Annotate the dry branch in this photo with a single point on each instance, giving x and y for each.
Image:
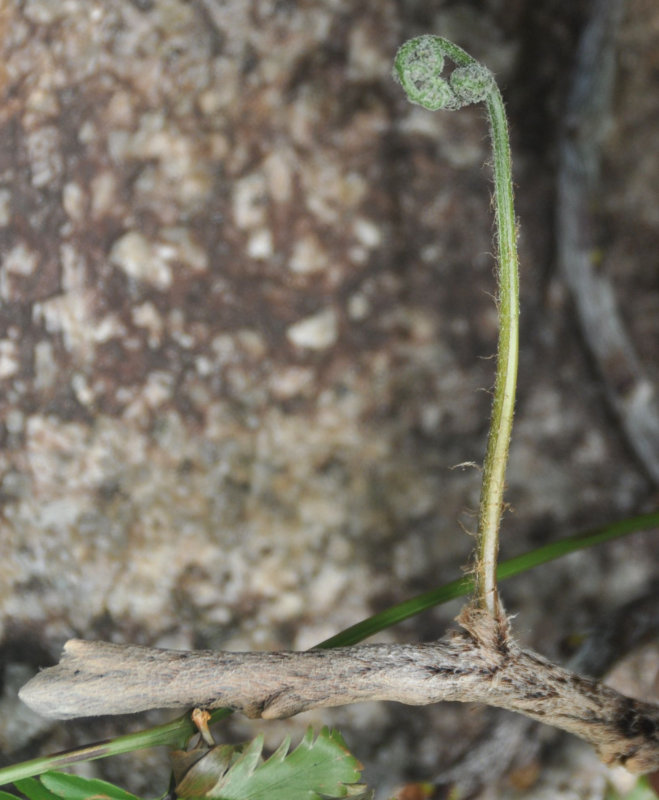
(481, 663)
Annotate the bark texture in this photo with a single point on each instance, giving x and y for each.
(481, 664)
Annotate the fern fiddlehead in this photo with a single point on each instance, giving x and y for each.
(419, 67)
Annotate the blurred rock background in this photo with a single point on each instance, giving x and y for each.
(245, 325)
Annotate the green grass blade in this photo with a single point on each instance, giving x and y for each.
(76, 787)
(171, 734)
(506, 569)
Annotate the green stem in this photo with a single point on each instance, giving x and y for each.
(503, 405)
(418, 67)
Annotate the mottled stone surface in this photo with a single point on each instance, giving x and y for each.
(244, 317)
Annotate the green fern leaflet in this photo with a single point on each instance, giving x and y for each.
(320, 769)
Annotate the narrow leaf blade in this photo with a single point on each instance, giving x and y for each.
(34, 789)
(75, 787)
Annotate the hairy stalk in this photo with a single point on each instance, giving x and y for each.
(418, 67)
(503, 406)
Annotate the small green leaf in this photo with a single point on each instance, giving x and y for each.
(75, 787)
(7, 796)
(34, 789)
(220, 759)
(320, 769)
(196, 774)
